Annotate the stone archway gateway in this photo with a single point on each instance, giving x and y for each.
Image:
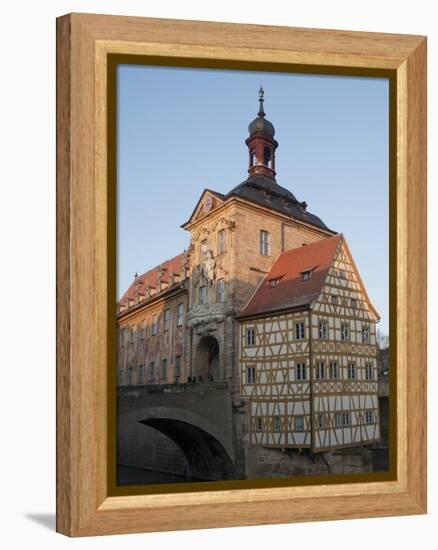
(207, 358)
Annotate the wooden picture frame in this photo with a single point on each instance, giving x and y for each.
(86, 224)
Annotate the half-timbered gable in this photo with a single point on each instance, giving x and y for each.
(308, 352)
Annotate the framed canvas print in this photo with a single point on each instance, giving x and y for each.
(241, 274)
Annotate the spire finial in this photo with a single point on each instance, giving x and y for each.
(261, 100)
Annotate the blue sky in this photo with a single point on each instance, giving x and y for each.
(182, 130)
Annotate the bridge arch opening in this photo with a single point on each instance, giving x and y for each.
(206, 457)
(207, 359)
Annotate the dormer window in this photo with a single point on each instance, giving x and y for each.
(305, 275)
(274, 282)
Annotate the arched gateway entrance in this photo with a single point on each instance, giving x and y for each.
(207, 358)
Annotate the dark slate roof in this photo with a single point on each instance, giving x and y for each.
(265, 191)
(261, 124)
(291, 291)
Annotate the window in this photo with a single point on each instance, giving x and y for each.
(365, 334)
(129, 378)
(132, 334)
(368, 417)
(264, 243)
(300, 371)
(299, 423)
(259, 423)
(221, 242)
(276, 424)
(338, 420)
(267, 157)
(202, 295)
(334, 300)
(140, 374)
(320, 370)
(252, 157)
(142, 330)
(369, 371)
(221, 291)
(321, 421)
(346, 418)
(345, 331)
(274, 282)
(250, 337)
(299, 331)
(305, 275)
(164, 369)
(151, 376)
(166, 319)
(351, 371)
(333, 370)
(154, 324)
(177, 366)
(353, 303)
(180, 315)
(323, 329)
(250, 375)
(342, 274)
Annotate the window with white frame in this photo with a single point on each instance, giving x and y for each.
(300, 373)
(351, 371)
(323, 330)
(334, 300)
(259, 423)
(365, 334)
(299, 331)
(250, 337)
(320, 370)
(345, 331)
(346, 418)
(164, 369)
(250, 375)
(353, 303)
(276, 424)
(321, 421)
(154, 330)
(338, 420)
(333, 370)
(264, 243)
(369, 371)
(274, 282)
(180, 315)
(166, 319)
(369, 417)
(299, 423)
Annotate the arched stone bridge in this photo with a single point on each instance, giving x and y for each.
(196, 417)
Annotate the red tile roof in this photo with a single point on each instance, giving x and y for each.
(292, 291)
(150, 278)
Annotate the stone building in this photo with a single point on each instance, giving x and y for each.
(190, 318)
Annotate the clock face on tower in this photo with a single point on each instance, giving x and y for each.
(208, 204)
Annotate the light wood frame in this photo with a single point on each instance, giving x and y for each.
(83, 504)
